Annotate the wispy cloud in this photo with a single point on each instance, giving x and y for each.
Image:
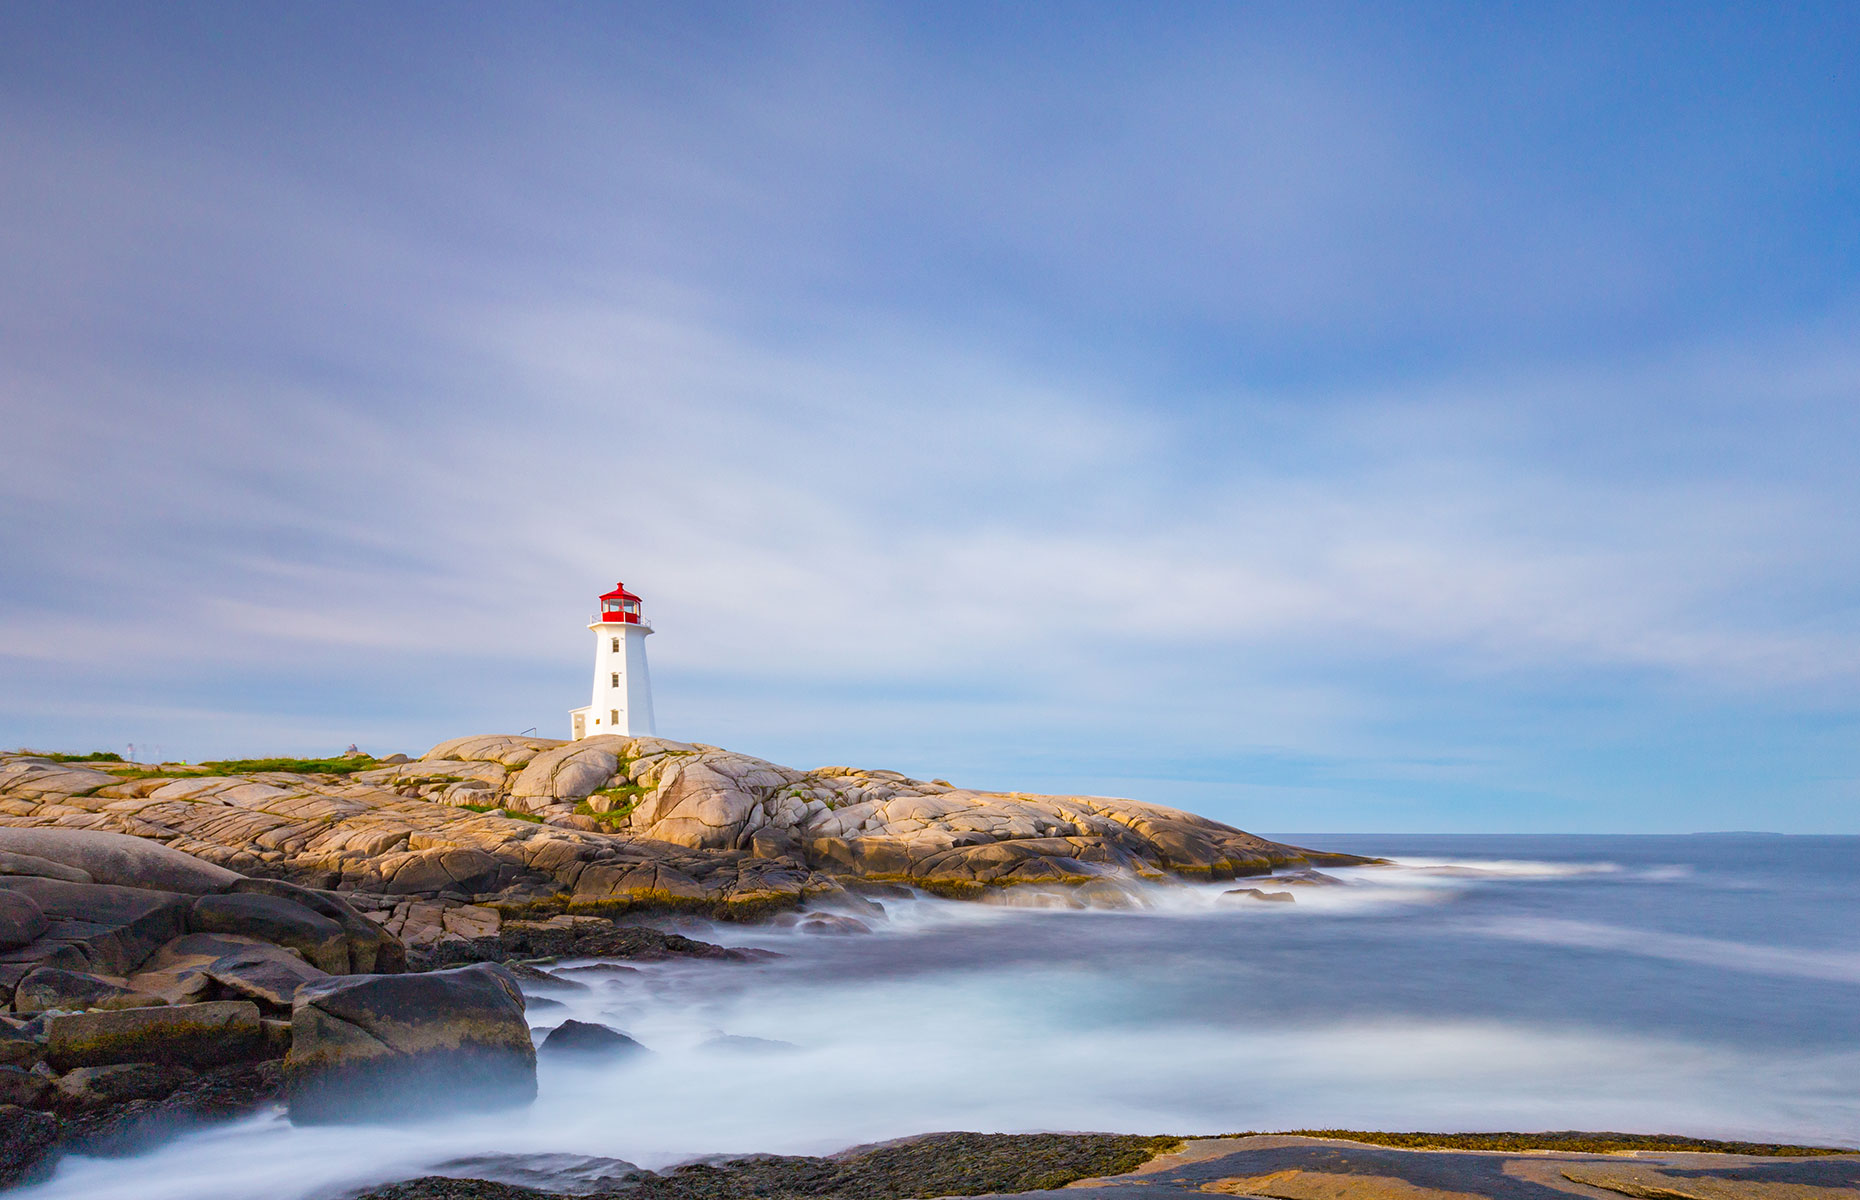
(1254, 397)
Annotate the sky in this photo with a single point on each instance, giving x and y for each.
(1326, 417)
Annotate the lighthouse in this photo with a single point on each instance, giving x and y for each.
(622, 689)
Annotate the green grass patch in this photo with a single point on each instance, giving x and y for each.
(294, 766)
(103, 756)
(1565, 1139)
(244, 766)
(624, 798)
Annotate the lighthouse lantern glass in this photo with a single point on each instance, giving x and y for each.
(620, 606)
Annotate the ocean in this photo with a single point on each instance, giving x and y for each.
(1700, 985)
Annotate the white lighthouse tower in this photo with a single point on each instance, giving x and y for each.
(622, 689)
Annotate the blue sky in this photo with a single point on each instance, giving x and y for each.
(1326, 417)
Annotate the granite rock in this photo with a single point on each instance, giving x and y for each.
(278, 920)
(101, 928)
(268, 974)
(192, 1035)
(377, 1046)
(56, 988)
(585, 1039)
(27, 1142)
(97, 1087)
(118, 858)
(21, 920)
(21, 1086)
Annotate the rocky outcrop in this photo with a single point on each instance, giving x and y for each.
(169, 980)
(430, 848)
(368, 1046)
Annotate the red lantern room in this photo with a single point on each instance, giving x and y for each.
(620, 606)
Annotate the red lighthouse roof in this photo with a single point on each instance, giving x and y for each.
(620, 605)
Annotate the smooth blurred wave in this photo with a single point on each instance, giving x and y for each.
(1678, 985)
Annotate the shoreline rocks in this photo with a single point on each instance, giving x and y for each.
(169, 936)
(122, 994)
(1309, 1165)
(936, 1164)
(519, 825)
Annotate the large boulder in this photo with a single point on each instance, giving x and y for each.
(268, 974)
(56, 988)
(119, 858)
(585, 1039)
(21, 920)
(373, 1046)
(570, 772)
(510, 750)
(461, 870)
(97, 927)
(191, 1035)
(177, 972)
(372, 949)
(698, 804)
(274, 919)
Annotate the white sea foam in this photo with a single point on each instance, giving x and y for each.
(1365, 890)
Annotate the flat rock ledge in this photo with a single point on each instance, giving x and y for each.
(1096, 1166)
(481, 829)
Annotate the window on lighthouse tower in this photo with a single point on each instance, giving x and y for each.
(616, 680)
(616, 645)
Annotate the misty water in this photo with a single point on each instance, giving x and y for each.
(1696, 985)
